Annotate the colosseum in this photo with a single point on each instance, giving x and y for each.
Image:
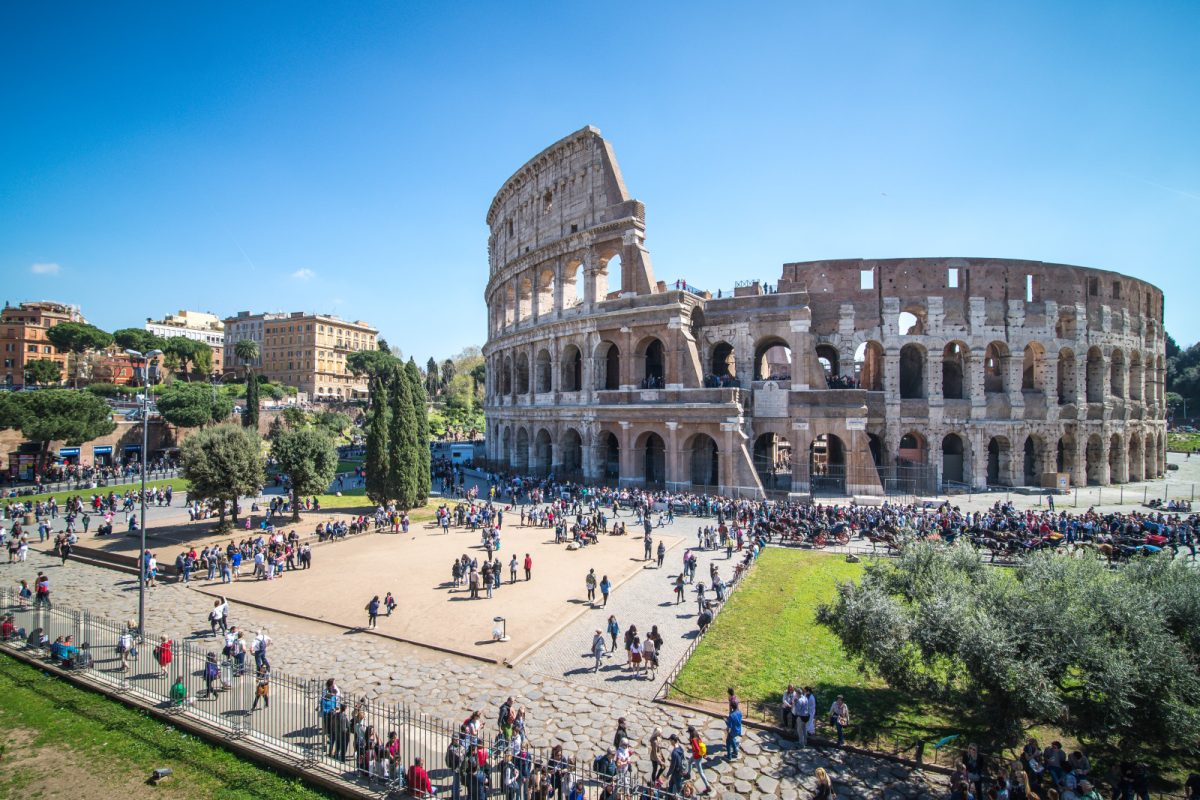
(849, 377)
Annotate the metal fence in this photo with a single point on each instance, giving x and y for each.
(287, 720)
(86, 484)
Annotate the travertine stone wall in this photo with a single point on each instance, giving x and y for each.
(930, 370)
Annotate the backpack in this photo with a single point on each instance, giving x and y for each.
(210, 670)
(328, 704)
(702, 748)
(454, 755)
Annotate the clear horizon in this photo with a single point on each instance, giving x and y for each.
(282, 157)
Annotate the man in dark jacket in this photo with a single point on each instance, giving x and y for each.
(677, 769)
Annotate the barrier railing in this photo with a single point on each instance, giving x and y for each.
(82, 485)
(285, 715)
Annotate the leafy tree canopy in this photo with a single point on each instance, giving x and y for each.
(372, 363)
(43, 372)
(57, 415)
(189, 354)
(78, 337)
(222, 463)
(138, 339)
(1106, 655)
(193, 405)
(309, 458)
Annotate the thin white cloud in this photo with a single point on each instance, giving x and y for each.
(45, 268)
(304, 274)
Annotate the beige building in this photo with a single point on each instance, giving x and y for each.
(309, 351)
(23, 337)
(197, 325)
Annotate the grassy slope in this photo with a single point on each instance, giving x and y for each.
(179, 483)
(1183, 442)
(127, 744)
(767, 637)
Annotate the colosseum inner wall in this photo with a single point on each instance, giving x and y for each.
(846, 377)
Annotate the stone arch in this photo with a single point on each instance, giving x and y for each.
(649, 358)
(520, 456)
(1160, 377)
(914, 449)
(543, 373)
(1033, 368)
(608, 365)
(1097, 469)
(772, 360)
(954, 371)
(1068, 377)
(542, 458)
(1095, 375)
(1150, 457)
(610, 278)
(1116, 459)
(1117, 375)
(953, 459)
(610, 455)
(827, 357)
(571, 369)
(912, 372)
(1136, 376)
(875, 446)
(868, 366)
(911, 321)
(994, 357)
(509, 301)
(573, 290)
(521, 377)
(999, 463)
(545, 288)
(506, 445)
(1064, 460)
(703, 459)
(827, 465)
(1137, 460)
(1160, 455)
(524, 297)
(773, 461)
(506, 376)
(571, 453)
(1033, 452)
(723, 361)
(652, 452)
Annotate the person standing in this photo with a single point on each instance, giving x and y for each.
(733, 731)
(528, 567)
(262, 689)
(614, 630)
(662, 554)
(372, 611)
(839, 716)
(597, 650)
(605, 588)
(590, 581)
(647, 546)
(811, 709)
(800, 713)
(512, 569)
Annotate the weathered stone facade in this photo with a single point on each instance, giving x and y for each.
(848, 376)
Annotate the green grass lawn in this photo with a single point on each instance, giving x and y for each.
(1183, 442)
(180, 485)
(355, 501)
(56, 730)
(767, 637)
(348, 465)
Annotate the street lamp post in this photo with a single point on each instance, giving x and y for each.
(144, 358)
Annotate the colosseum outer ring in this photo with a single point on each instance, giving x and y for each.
(846, 377)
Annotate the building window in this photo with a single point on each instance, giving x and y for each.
(952, 278)
(866, 279)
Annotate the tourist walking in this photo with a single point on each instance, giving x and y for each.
(733, 731)
(590, 582)
(613, 631)
(372, 611)
(605, 588)
(597, 650)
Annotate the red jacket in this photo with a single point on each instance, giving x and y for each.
(418, 781)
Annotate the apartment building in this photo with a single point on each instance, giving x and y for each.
(309, 351)
(23, 336)
(245, 325)
(197, 325)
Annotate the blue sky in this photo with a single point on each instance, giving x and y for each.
(341, 157)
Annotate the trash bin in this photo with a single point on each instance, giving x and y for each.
(29, 520)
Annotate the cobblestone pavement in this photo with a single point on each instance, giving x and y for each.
(560, 709)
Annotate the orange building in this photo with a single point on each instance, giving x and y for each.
(23, 337)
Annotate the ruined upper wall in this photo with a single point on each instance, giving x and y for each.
(571, 186)
(955, 280)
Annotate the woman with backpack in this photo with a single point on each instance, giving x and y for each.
(698, 750)
(211, 672)
(262, 688)
(125, 645)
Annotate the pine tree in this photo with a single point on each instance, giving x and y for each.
(420, 406)
(432, 381)
(378, 461)
(250, 410)
(402, 440)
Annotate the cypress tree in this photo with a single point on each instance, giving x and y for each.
(250, 410)
(378, 461)
(421, 412)
(402, 440)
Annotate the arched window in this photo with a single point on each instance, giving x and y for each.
(827, 465)
(520, 459)
(724, 362)
(522, 376)
(993, 368)
(1031, 368)
(912, 372)
(703, 458)
(572, 453)
(954, 368)
(868, 366)
(650, 353)
(952, 458)
(572, 369)
(506, 377)
(1117, 373)
(654, 458)
(913, 449)
(999, 461)
(1068, 389)
(611, 279)
(773, 360)
(827, 357)
(773, 461)
(542, 381)
(608, 358)
(610, 452)
(1095, 376)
